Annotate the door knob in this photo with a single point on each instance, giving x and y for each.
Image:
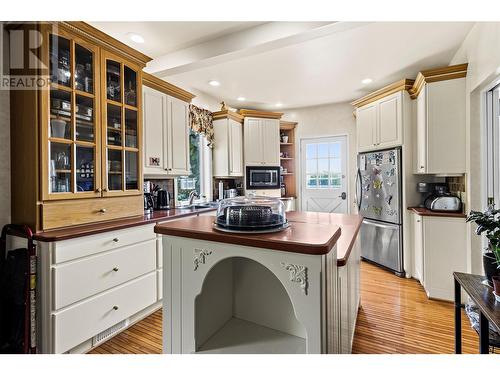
(115, 307)
(102, 210)
(115, 269)
(343, 195)
(115, 240)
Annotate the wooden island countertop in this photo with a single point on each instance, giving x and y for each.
(309, 233)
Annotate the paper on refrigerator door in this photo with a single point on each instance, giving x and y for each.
(362, 162)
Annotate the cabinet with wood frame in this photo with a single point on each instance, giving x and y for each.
(287, 157)
(71, 154)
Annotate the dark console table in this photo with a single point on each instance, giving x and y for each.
(489, 309)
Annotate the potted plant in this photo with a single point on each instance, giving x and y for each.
(488, 222)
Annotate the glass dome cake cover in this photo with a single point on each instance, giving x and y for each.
(251, 213)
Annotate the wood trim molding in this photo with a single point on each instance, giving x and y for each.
(228, 114)
(260, 114)
(288, 125)
(104, 40)
(401, 85)
(165, 87)
(436, 75)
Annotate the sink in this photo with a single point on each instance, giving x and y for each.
(199, 206)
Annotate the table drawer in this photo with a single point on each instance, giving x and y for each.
(74, 281)
(83, 246)
(58, 214)
(80, 322)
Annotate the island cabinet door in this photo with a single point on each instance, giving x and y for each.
(268, 301)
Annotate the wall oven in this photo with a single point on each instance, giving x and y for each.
(262, 177)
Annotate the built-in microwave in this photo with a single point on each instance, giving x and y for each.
(263, 177)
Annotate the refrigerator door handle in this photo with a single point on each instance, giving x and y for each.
(358, 183)
(381, 225)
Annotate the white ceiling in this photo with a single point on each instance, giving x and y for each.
(297, 64)
(164, 37)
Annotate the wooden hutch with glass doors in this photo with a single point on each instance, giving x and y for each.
(77, 144)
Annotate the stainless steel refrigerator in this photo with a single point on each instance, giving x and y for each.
(378, 195)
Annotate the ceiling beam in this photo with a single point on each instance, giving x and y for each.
(258, 39)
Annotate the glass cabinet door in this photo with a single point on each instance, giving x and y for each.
(72, 145)
(121, 144)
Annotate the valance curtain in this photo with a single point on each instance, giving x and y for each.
(201, 121)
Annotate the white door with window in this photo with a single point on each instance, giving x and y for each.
(324, 171)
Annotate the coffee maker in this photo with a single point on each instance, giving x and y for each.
(148, 198)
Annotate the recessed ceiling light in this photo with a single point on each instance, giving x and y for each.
(367, 81)
(214, 83)
(279, 105)
(136, 38)
(240, 99)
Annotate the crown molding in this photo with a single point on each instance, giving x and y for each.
(436, 75)
(165, 87)
(288, 125)
(401, 85)
(228, 114)
(260, 114)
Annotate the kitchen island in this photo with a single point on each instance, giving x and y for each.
(284, 292)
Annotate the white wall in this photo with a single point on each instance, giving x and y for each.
(327, 120)
(480, 50)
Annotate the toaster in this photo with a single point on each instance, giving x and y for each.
(443, 203)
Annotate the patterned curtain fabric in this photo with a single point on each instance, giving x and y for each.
(201, 122)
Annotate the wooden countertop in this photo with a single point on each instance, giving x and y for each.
(309, 233)
(106, 226)
(426, 212)
(349, 226)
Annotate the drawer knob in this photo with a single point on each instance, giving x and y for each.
(105, 189)
(115, 307)
(115, 269)
(115, 240)
(102, 210)
(98, 190)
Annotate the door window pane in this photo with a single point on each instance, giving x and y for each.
(322, 150)
(60, 167)
(312, 166)
(130, 86)
(130, 128)
(114, 125)
(113, 80)
(311, 151)
(84, 69)
(131, 168)
(60, 60)
(323, 165)
(335, 150)
(114, 169)
(84, 119)
(312, 181)
(85, 157)
(60, 114)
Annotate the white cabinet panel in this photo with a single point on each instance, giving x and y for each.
(271, 142)
(82, 321)
(178, 135)
(227, 153)
(418, 248)
(253, 141)
(74, 281)
(421, 158)
(390, 121)
(262, 141)
(366, 123)
(154, 110)
(235, 148)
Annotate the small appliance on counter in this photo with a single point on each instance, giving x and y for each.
(162, 200)
(148, 198)
(251, 215)
(230, 193)
(437, 197)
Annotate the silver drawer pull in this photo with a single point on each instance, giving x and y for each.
(115, 269)
(115, 240)
(115, 307)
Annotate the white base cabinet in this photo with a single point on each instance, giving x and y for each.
(225, 298)
(439, 250)
(93, 287)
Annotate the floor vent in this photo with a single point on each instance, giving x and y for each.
(100, 337)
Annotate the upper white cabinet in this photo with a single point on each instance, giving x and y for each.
(262, 141)
(379, 124)
(166, 132)
(228, 145)
(441, 127)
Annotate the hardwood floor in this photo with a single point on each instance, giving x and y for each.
(395, 317)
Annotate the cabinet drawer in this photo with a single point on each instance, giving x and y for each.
(72, 249)
(80, 279)
(58, 214)
(83, 321)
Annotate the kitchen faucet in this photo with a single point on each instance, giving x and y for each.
(193, 194)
